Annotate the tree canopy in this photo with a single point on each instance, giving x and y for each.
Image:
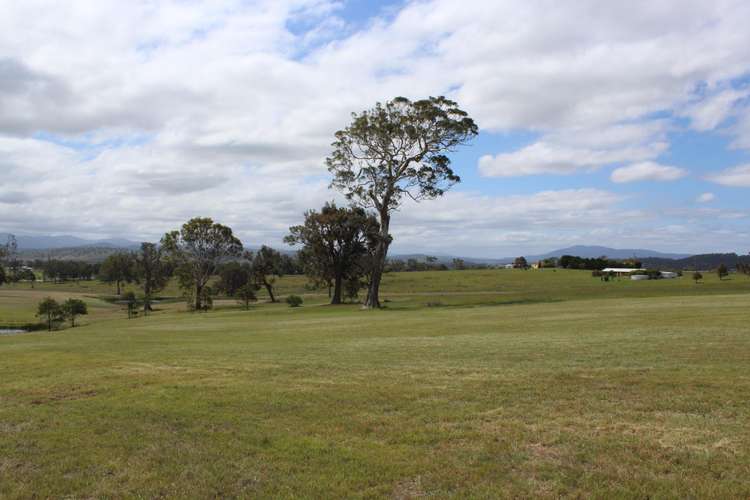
(196, 250)
(118, 268)
(73, 308)
(267, 264)
(153, 272)
(334, 241)
(49, 309)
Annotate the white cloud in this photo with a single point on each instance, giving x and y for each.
(735, 177)
(708, 113)
(567, 151)
(706, 198)
(647, 171)
(220, 108)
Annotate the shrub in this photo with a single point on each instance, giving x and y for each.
(294, 300)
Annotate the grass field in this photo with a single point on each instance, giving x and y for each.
(523, 384)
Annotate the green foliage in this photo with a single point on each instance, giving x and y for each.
(246, 294)
(414, 264)
(153, 272)
(131, 303)
(722, 271)
(206, 299)
(352, 286)
(520, 263)
(119, 268)
(267, 265)
(72, 308)
(233, 276)
(335, 242)
(459, 264)
(294, 300)
(65, 270)
(196, 250)
(49, 310)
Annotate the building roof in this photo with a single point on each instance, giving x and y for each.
(620, 270)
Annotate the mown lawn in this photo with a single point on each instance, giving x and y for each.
(627, 397)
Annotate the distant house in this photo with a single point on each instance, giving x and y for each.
(620, 271)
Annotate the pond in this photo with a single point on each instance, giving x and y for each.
(11, 331)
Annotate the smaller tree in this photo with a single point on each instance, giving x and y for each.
(266, 267)
(246, 294)
(697, 276)
(232, 277)
(72, 308)
(333, 242)
(352, 286)
(50, 311)
(197, 249)
(459, 264)
(153, 272)
(118, 268)
(206, 298)
(131, 302)
(520, 263)
(3, 277)
(722, 271)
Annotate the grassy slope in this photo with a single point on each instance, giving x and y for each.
(415, 290)
(629, 396)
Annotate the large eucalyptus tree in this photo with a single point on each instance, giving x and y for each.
(397, 150)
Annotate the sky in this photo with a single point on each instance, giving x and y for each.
(624, 124)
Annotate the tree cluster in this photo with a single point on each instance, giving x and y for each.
(597, 263)
(54, 313)
(337, 247)
(65, 270)
(412, 264)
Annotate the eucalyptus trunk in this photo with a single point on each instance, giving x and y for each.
(381, 253)
(338, 281)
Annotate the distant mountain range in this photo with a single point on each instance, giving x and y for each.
(580, 251)
(65, 241)
(589, 252)
(73, 247)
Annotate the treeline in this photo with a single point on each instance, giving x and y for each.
(64, 270)
(94, 254)
(703, 262)
(594, 264)
(430, 263)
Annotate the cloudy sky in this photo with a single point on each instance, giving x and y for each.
(624, 124)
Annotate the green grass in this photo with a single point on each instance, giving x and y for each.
(566, 386)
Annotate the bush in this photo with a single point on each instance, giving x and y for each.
(294, 301)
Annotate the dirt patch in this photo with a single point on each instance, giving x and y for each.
(544, 452)
(409, 488)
